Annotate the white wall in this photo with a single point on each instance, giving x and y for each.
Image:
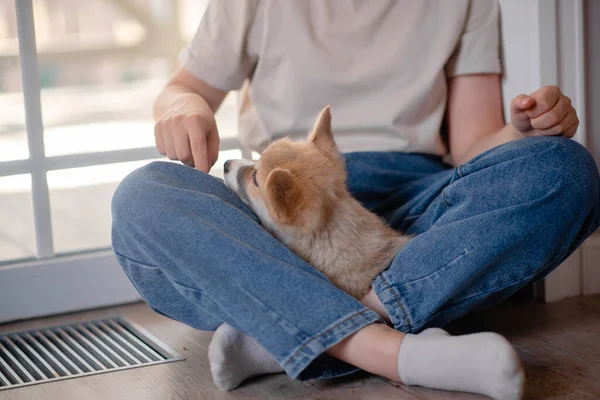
(520, 55)
(592, 39)
(591, 248)
(543, 44)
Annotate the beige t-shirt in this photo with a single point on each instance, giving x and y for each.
(382, 65)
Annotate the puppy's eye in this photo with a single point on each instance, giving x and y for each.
(254, 178)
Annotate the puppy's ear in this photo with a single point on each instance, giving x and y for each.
(284, 195)
(321, 135)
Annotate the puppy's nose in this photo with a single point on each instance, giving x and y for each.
(227, 166)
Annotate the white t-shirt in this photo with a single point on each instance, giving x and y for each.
(382, 65)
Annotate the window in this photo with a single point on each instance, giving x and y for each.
(87, 73)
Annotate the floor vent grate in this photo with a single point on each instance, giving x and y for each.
(68, 351)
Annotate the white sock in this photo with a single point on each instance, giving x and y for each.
(234, 357)
(483, 363)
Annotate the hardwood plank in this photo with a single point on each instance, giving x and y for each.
(558, 343)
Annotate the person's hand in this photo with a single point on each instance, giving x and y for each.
(188, 132)
(546, 112)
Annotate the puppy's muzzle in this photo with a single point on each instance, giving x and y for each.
(234, 174)
(227, 166)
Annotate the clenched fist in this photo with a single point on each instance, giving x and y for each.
(546, 112)
(187, 132)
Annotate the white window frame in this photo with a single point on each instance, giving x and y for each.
(52, 283)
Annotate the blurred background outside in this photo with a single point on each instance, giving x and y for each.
(102, 63)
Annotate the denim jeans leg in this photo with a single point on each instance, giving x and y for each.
(198, 254)
(507, 217)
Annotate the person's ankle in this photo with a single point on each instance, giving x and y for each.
(375, 347)
(372, 301)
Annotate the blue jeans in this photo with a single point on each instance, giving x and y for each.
(483, 230)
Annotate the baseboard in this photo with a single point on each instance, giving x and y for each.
(564, 281)
(578, 275)
(63, 284)
(591, 265)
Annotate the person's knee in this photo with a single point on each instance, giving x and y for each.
(139, 198)
(569, 175)
(133, 192)
(568, 166)
(153, 185)
(130, 207)
(149, 199)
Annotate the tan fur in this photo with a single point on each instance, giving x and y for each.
(303, 200)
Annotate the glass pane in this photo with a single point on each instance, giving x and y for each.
(103, 66)
(100, 72)
(13, 142)
(80, 205)
(17, 237)
(123, 134)
(80, 202)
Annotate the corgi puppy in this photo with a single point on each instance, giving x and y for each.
(298, 191)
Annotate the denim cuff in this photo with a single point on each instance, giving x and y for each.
(393, 304)
(316, 345)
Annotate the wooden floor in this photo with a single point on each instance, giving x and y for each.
(559, 345)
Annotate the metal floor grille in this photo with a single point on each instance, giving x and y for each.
(68, 351)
